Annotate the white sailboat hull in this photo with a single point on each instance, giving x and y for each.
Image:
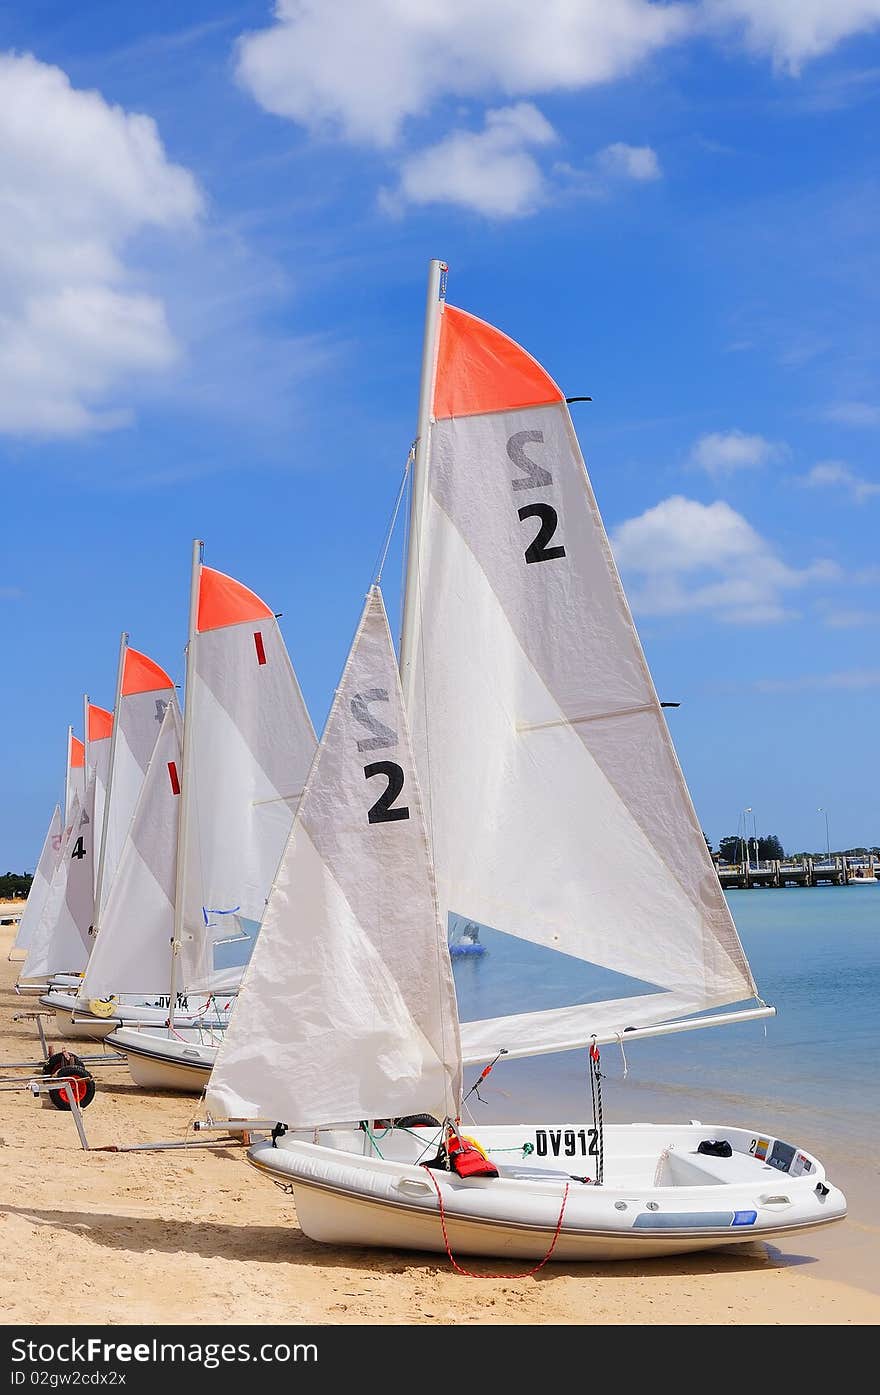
(159, 1061)
(659, 1195)
(35, 988)
(78, 1024)
(84, 1027)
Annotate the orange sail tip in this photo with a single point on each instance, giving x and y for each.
(142, 675)
(100, 723)
(223, 601)
(77, 753)
(479, 369)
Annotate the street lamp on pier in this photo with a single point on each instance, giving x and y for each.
(827, 836)
(745, 838)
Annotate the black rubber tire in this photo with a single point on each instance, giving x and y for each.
(69, 1065)
(410, 1121)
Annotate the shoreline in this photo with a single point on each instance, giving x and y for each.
(186, 1238)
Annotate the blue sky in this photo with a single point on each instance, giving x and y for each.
(216, 225)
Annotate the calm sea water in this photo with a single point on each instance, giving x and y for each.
(815, 956)
(810, 1075)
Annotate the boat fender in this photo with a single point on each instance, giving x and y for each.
(102, 1007)
(715, 1147)
(65, 1063)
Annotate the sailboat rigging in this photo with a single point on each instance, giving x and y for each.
(204, 846)
(529, 719)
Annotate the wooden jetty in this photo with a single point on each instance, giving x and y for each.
(836, 870)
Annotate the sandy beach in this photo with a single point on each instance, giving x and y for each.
(198, 1237)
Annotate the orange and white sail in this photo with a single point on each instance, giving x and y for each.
(131, 951)
(75, 782)
(99, 734)
(248, 744)
(557, 806)
(144, 692)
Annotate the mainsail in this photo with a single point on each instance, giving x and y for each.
(75, 783)
(132, 952)
(144, 692)
(50, 855)
(248, 745)
(557, 807)
(99, 734)
(61, 940)
(347, 1009)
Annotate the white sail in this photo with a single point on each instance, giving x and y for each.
(76, 773)
(250, 745)
(557, 806)
(144, 693)
(132, 949)
(347, 1009)
(50, 855)
(61, 940)
(99, 733)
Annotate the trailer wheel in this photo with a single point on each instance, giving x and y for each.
(65, 1063)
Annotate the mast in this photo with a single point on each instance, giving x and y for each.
(185, 782)
(99, 883)
(85, 742)
(67, 779)
(419, 486)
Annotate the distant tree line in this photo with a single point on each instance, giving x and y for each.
(15, 885)
(733, 848)
(770, 849)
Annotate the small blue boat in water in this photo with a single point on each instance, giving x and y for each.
(467, 943)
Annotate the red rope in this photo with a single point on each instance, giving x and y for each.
(527, 1273)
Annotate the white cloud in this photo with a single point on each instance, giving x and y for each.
(490, 171)
(630, 161)
(849, 619)
(684, 556)
(854, 413)
(853, 680)
(78, 179)
(833, 474)
(361, 68)
(720, 453)
(791, 32)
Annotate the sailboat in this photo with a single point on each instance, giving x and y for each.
(60, 947)
(39, 890)
(48, 866)
(204, 846)
(143, 692)
(554, 810)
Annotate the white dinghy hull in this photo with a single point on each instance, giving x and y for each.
(158, 1061)
(659, 1197)
(77, 1024)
